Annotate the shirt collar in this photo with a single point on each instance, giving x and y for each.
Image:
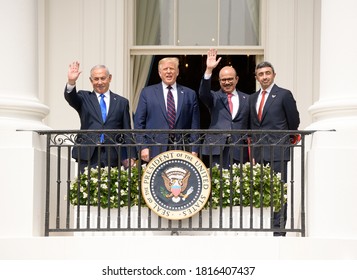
(165, 86)
(234, 93)
(106, 94)
(268, 90)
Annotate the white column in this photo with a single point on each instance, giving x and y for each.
(22, 156)
(332, 159)
(19, 104)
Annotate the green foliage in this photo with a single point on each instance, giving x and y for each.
(244, 185)
(107, 187)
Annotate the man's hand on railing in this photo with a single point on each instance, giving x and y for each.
(195, 154)
(294, 139)
(129, 162)
(145, 155)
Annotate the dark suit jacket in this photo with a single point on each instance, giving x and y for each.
(151, 113)
(88, 108)
(279, 113)
(221, 117)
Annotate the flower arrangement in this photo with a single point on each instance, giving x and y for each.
(246, 185)
(243, 184)
(104, 188)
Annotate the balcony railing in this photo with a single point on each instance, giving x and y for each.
(245, 191)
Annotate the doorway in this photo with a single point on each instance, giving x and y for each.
(192, 68)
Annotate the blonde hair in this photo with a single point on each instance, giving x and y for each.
(174, 60)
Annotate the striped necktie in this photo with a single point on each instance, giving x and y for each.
(261, 106)
(171, 112)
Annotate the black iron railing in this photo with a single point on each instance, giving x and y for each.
(253, 176)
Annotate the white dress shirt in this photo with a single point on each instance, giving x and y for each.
(260, 97)
(235, 102)
(174, 93)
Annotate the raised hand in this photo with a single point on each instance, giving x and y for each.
(211, 61)
(73, 72)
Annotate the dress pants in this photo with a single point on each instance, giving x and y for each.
(99, 158)
(280, 217)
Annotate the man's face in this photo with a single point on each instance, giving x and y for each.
(265, 76)
(228, 79)
(168, 72)
(100, 80)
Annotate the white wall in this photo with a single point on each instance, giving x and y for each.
(288, 39)
(91, 32)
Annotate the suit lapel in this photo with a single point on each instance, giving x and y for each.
(253, 102)
(159, 95)
(224, 100)
(113, 103)
(270, 100)
(242, 102)
(180, 98)
(94, 101)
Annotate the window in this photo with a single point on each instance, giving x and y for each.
(197, 23)
(187, 29)
(192, 68)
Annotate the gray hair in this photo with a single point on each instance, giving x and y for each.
(100, 66)
(264, 64)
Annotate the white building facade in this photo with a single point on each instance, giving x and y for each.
(310, 43)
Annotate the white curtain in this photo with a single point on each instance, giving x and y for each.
(253, 8)
(147, 33)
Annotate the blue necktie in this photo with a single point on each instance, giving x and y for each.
(103, 108)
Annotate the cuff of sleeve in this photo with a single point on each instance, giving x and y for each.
(70, 87)
(207, 76)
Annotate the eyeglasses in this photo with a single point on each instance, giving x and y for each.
(226, 80)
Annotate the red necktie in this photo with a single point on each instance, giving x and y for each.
(171, 112)
(261, 105)
(229, 95)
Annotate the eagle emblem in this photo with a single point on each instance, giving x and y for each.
(176, 182)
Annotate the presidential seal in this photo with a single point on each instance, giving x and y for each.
(176, 185)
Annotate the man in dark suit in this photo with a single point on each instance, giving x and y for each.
(273, 108)
(153, 112)
(115, 115)
(222, 115)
